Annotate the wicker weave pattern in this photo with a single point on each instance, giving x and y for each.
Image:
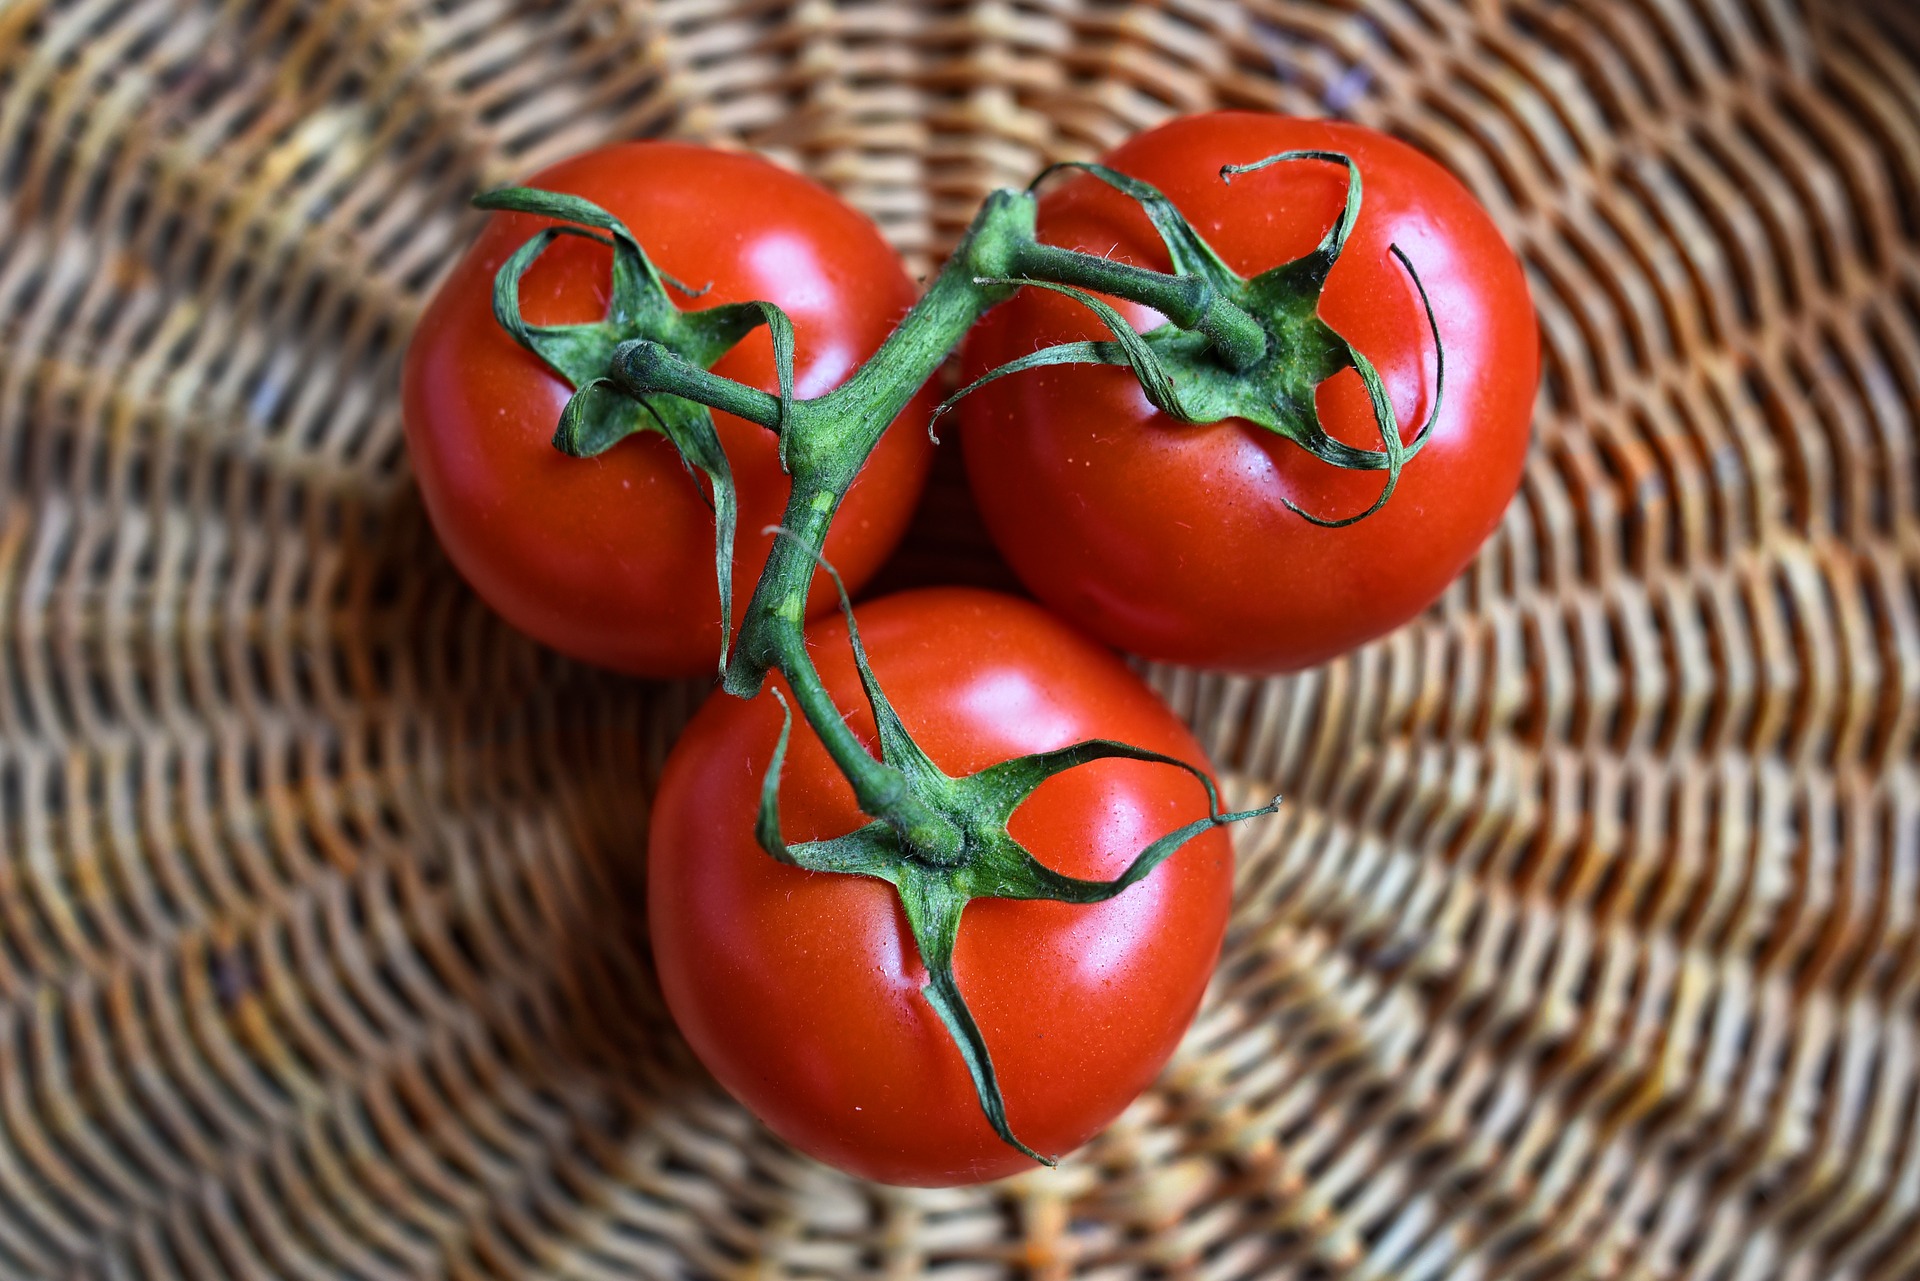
(1587, 945)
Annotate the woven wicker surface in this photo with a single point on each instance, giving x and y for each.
(1588, 943)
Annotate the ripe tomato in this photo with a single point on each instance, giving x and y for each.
(611, 559)
(800, 990)
(1172, 540)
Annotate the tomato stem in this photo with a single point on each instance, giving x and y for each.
(826, 440)
(881, 790)
(643, 366)
(1190, 302)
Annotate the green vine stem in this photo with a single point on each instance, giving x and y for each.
(1249, 348)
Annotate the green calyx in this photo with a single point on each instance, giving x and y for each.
(960, 850)
(1201, 367)
(600, 414)
(1252, 349)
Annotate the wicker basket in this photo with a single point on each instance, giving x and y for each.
(1588, 944)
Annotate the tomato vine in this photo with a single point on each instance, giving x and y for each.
(1232, 347)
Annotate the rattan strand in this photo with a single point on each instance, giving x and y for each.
(1585, 946)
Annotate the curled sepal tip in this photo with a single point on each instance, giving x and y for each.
(1317, 264)
(1394, 453)
(1187, 249)
(597, 417)
(637, 285)
(1011, 871)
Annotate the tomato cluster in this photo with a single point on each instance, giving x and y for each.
(1212, 544)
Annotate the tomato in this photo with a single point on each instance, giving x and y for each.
(1174, 540)
(612, 559)
(800, 990)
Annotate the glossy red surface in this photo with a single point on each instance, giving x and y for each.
(800, 990)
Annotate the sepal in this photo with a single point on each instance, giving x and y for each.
(599, 415)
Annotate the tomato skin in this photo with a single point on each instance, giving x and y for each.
(1171, 540)
(800, 990)
(611, 559)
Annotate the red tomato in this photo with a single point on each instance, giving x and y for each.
(611, 559)
(801, 990)
(1172, 540)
